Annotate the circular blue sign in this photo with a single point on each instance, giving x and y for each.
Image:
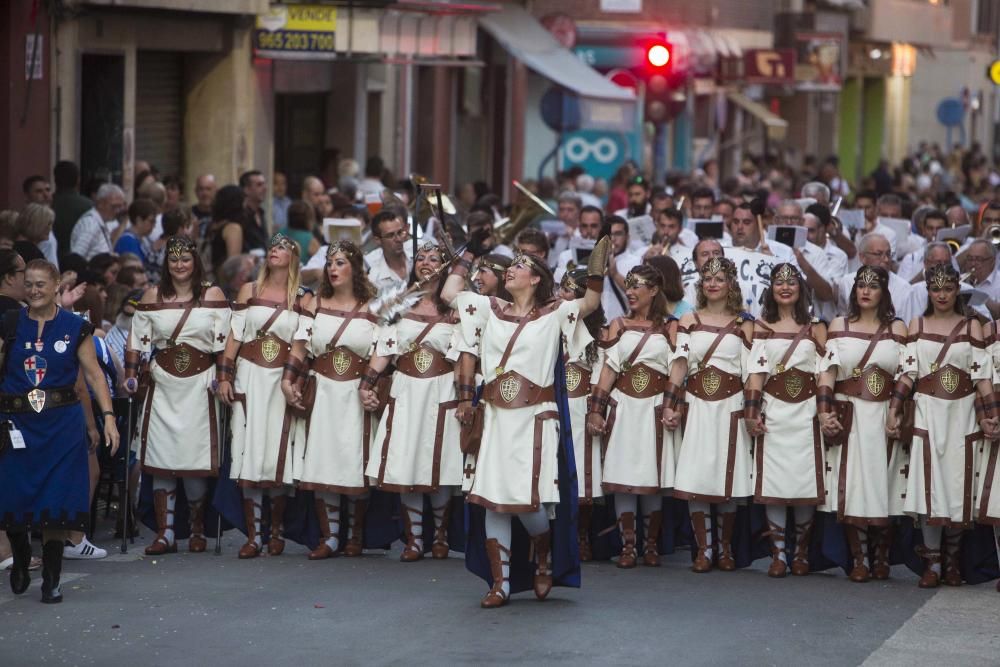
(950, 112)
(560, 110)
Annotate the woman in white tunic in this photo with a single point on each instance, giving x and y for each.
(713, 466)
(332, 444)
(186, 322)
(989, 463)
(946, 364)
(781, 415)
(416, 449)
(632, 383)
(864, 351)
(517, 468)
(583, 366)
(265, 319)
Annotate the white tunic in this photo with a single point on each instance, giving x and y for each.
(586, 447)
(517, 465)
(946, 435)
(859, 479)
(331, 450)
(416, 447)
(714, 461)
(789, 457)
(262, 422)
(988, 493)
(179, 429)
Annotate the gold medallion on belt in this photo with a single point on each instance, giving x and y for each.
(182, 359)
(341, 362)
(949, 380)
(793, 384)
(640, 379)
(422, 359)
(710, 381)
(269, 348)
(509, 388)
(573, 377)
(876, 383)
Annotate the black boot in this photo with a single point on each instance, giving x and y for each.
(51, 569)
(20, 545)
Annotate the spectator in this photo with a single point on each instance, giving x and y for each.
(173, 188)
(372, 184)
(637, 192)
(142, 180)
(67, 203)
(37, 190)
(127, 259)
(104, 267)
(91, 307)
(178, 223)
(532, 242)
(8, 229)
(324, 207)
(585, 188)
(254, 222)
(225, 235)
(234, 273)
(280, 201)
(312, 190)
(673, 287)
(142, 213)
(126, 301)
(569, 206)
(93, 231)
(133, 277)
(204, 193)
(33, 226)
(301, 224)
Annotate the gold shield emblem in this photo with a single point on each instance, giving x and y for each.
(182, 360)
(640, 379)
(36, 399)
(573, 377)
(269, 348)
(876, 383)
(340, 362)
(949, 380)
(509, 388)
(710, 382)
(794, 384)
(422, 359)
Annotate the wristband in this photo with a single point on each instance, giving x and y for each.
(293, 369)
(824, 399)
(597, 403)
(595, 283)
(370, 379)
(225, 369)
(131, 363)
(108, 413)
(752, 402)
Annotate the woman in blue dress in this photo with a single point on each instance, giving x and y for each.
(43, 467)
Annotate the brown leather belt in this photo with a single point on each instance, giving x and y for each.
(711, 384)
(641, 381)
(340, 364)
(513, 390)
(577, 381)
(184, 361)
(268, 351)
(947, 383)
(874, 384)
(792, 386)
(54, 397)
(423, 362)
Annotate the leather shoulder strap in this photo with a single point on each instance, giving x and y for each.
(730, 328)
(427, 329)
(641, 344)
(181, 322)
(271, 320)
(343, 326)
(872, 344)
(948, 341)
(806, 328)
(513, 339)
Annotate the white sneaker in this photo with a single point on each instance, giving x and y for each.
(83, 551)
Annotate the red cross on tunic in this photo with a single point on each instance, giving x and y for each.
(309, 331)
(221, 338)
(471, 310)
(390, 343)
(761, 361)
(39, 375)
(479, 332)
(29, 363)
(145, 340)
(685, 347)
(469, 471)
(571, 318)
(910, 359)
(975, 366)
(905, 471)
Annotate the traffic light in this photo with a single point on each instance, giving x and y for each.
(660, 82)
(658, 55)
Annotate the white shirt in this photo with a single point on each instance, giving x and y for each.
(836, 261)
(91, 235)
(371, 186)
(590, 199)
(379, 273)
(50, 248)
(911, 265)
(991, 284)
(903, 299)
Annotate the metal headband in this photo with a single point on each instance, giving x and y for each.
(179, 245)
(940, 276)
(867, 277)
(492, 266)
(633, 279)
(279, 240)
(527, 260)
(341, 247)
(717, 264)
(787, 272)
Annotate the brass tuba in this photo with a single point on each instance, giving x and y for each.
(521, 216)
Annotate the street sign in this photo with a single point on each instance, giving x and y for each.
(598, 152)
(769, 66)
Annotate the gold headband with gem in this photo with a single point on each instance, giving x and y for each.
(492, 266)
(867, 277)
(719, 264)
(633, 280)
(529, 261)
(180, 245)
(347, 249)
(785, 273)
(941, 276)
(279, 240)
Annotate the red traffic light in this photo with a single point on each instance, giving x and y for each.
(658, 55)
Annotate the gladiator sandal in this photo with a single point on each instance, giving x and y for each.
(52, 555)
(951, 567)
(880, 565)
(197, 542)
(778, 568)
(931, 557)
(628, 556)
(442, 515)
(542, 581)
(583, 533)
(20, 546)
(323, 512)
(499, 556)
(164, 522)
(651, 553)
(859, 572)
(727, 563)
(251, 514)
(413, 551)
(356, 529)
(800, 561)
(703, 559)
(276, 545)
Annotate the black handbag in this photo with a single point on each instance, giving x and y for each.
(8, 331)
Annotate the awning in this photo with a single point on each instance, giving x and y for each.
(776, 126)
(603, 105)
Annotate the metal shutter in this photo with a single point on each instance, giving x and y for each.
(159, 110)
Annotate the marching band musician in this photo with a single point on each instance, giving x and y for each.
(186, 322)
(417, 451)
(946, 365)
(332, 446)
(639, 457)
(264, 321)
(781, 415)
(864, 352)
(713, 466)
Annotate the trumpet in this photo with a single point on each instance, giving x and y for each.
(505, 230)
(954, 244)
(992, 234)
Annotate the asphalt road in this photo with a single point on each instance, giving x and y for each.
(217, 610)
